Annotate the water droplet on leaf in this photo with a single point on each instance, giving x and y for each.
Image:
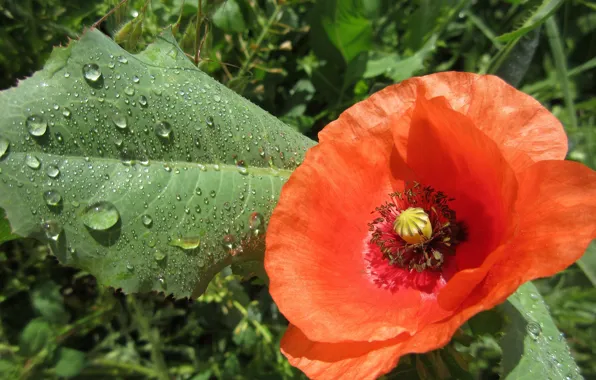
(36, 125)
(52, 171)
(534, 330)
(119, 120)
(256, 223)
(101, 215)
(32, 161)
(147, 220)
(162, 281)
(91, 73)
(52, 229)
(4, 144)
(52, 198)
(159, 255)
(163, 129)
(186, 242)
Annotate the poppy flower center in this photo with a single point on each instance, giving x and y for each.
(416, 229)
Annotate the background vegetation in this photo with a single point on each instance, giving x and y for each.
(304, 61)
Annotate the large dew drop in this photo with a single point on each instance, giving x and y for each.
(256, 223)
(534, 330)
(52, 171)
(52, 229)
(101, 216)
(4, 144)
(32, 161)
(186, 242)
(163, 129)
(36, 125)
(147, 220)
(91, 73)
(52, 198)
(159, 256)
(119, 120)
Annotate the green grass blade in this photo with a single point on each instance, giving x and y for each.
(556, 46)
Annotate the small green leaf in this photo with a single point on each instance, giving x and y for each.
(343, 24)
(410, 66)
(423, 22)
(228, 17)
(35, 337)
(48, 302)
(70, 362)
(5, 230)
(533, 347)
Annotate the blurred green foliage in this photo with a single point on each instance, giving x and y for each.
(304, 61)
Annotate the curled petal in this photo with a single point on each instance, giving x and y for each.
(524, 131)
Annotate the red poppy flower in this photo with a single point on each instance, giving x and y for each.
(427, 203)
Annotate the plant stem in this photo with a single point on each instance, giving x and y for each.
(259, 41)
(161, 369)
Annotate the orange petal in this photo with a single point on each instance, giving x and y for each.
(345, 360)
(447, 152)
(524, 130)
(316, 240)
(557, 220)
(363, 360)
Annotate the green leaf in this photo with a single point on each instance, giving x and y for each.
(35, 337)
(48, 302)
(228, 17)
(533, 347)
(587, 263)
(141, 169)
(423, 22)
(536, 17)
(5, 230)
(343, 24)
(70, 362)
(9, 369)
(410, 66)
(512, 62)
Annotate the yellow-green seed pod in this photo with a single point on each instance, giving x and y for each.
(413, 225)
